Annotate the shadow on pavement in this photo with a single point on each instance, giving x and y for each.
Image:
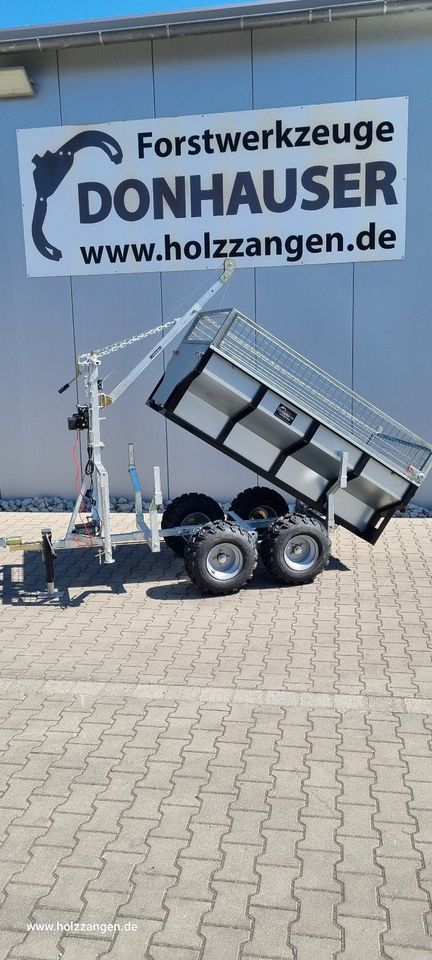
(23, 583)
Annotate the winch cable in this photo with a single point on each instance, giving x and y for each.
(120, 344)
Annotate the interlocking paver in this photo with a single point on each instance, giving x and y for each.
(362, 938)
(401, 879)
(9, 939)
(19, 841)
(392, 808)
(270, 934)
(175, 822)
(194, 879)
(181, 927)
(318, 871)
(279, 847)
(205, 842)
(214, 808)
(19, 900)
(239, 864)
(361, 897)
(316, 913)
(315, 948)
(321, 801)
(34, 946)
(356, 821)
(75, 948)
(116, 873)
(397, 841)
(87, 849)
(57, 783)
(40, 868)
(320, 835)
(148, 896)
(221, 942)
(230, 905)
(275, 887)
(407, 923)
(67, 893)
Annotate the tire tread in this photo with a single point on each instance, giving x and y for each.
(191, 558)
(172, 516)
(257, 496)
(270, 539)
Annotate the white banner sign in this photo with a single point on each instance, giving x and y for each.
(279, 187)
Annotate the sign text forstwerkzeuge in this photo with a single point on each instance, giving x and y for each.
(276, 187)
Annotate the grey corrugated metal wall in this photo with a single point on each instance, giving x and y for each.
(368, 324)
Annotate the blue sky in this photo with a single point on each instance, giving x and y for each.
(21, 13)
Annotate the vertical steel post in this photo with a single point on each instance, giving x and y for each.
(102, 483)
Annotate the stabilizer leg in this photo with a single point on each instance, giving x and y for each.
(49, 556)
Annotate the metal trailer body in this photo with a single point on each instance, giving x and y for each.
(252, 397)
(237, 387)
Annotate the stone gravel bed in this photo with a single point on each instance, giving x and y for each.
(54, 504)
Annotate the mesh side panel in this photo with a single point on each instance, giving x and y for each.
(294, 377)
(207, 326)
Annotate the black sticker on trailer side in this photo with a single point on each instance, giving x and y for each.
(284, 413)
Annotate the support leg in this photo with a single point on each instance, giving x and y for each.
(136, 485)
(103, 505)
(49, 557)
(340, 484)
(157, 501)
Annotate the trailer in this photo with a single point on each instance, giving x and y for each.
(246, 393)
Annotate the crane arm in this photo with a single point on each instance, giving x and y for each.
(178, 325)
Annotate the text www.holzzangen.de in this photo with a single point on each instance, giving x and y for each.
(291, 248)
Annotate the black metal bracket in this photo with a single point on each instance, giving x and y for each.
(293, 447)
(248, 408)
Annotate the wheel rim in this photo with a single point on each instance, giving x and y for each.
(193, 519)
(301, 552)
(262, 513)
(224, 561)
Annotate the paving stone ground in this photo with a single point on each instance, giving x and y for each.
(216, 778)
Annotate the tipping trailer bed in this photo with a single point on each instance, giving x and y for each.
(234, 385)
(252, 397)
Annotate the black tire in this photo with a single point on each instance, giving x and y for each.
(203, 565)
(191, 507)
(259, 503)
(275, 552)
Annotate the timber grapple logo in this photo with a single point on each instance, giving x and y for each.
(51, 169)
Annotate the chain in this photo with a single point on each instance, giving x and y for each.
(113, 347)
